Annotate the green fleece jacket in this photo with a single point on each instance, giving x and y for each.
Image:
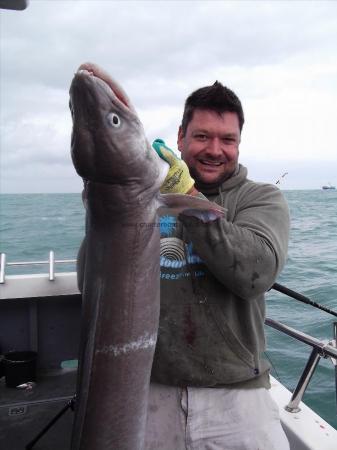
(213, 279)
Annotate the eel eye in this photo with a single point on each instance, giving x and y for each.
(114, 120)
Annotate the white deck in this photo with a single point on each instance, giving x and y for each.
(305, 430)
(39, 285)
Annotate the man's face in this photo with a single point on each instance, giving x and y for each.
(210, 146)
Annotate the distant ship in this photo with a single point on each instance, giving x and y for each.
(329, 186)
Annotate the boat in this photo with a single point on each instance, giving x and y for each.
(328, 186)
(41, 313)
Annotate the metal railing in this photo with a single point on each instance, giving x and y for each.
(51, 262)
(320, 349)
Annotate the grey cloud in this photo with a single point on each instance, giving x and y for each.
(159, 51)
(34, 138)
(142, 39)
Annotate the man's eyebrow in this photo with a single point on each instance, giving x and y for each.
(233, 134)
(229, 134)
(200, 130)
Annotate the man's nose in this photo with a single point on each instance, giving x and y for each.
(215, 147)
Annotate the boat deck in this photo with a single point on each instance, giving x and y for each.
(25, 412)
(50, 325)
(48, 322)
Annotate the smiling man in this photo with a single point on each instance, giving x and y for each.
(209, 378)
(209, 143)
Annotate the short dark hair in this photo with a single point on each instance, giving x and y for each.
(216, 98)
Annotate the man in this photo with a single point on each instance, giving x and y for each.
(209, 380)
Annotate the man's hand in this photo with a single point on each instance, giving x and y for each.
(178, 180)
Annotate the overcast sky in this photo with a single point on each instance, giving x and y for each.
(279, 57)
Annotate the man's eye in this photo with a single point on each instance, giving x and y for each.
(229, 140)
(201, 137)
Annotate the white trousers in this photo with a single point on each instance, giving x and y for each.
(213, 419)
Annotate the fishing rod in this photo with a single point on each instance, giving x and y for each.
(284, 290)
(282, 176)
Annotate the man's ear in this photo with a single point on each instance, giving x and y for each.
(180, 138)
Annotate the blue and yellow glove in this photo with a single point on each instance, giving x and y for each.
(178, 179)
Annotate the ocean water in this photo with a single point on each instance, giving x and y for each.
(33, 224)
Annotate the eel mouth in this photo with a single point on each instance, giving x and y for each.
(95, 71)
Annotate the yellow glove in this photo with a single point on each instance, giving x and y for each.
(178, 180)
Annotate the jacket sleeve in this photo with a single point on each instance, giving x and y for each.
(247, 252)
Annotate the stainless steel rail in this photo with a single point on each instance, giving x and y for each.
(51, 262)
(320, 349)
(325, 349)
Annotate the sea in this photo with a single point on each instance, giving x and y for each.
(33, 224)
